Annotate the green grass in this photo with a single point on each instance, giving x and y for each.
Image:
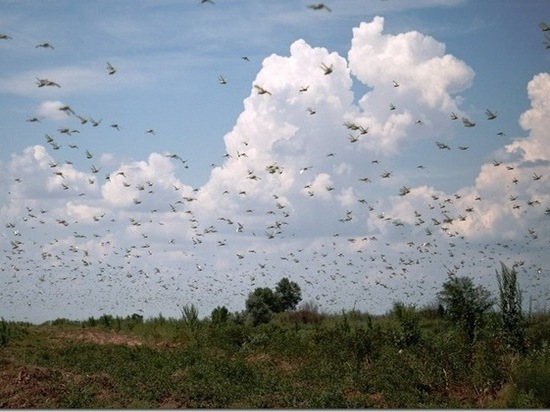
(351, 360)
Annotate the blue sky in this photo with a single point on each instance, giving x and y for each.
(150, 232)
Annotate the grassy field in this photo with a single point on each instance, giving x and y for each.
(301, 359)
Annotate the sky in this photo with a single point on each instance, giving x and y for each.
(367, 150)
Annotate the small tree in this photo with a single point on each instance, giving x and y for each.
(190, 315)
(510, 300)
(465, 303)
(260, 305)
(263, 303)
(288, 295)
(220, 315)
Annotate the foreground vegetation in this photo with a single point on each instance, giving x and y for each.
(434, 357)
(300, 359)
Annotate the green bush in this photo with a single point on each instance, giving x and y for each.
(533, 378)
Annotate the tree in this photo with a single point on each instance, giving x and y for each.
(219, 315)
(465, 303)
(263, 303)
(260, 305)
(288, 295)
(510, 300)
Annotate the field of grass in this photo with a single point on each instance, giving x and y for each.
(301, 359)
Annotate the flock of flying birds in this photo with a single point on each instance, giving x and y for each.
(83, 261)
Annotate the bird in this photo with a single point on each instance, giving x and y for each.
(110, 69)
(454, 116)
(442, 145)
(404, 191)
(467, 122)
(326, 69)
(44, 46)
(304, 89)
(151, 131)
(490, 114)
(5, 37)
(353, 139)
(319, 6)
(222, 80)
(544, 27)
(395, 84)
(392, 107)
(46, 82)
(261, 90)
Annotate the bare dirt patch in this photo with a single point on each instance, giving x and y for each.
(100, 337)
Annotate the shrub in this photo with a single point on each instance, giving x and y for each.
(190, 315)
(510, 295)
(219, 315)
(465, 304)
(533, 378)
(409, 333)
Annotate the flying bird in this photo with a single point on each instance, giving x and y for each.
(326, 69)
(261, 90)
(110, 69)
(4, 37)
(44, 46)
(395, 84)
(46, 82)
(467, 122)
(544, 27)
(454, 116)
(442, 145)
(404, 191)
(490, 114)
(318, 6)
(222, 80)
